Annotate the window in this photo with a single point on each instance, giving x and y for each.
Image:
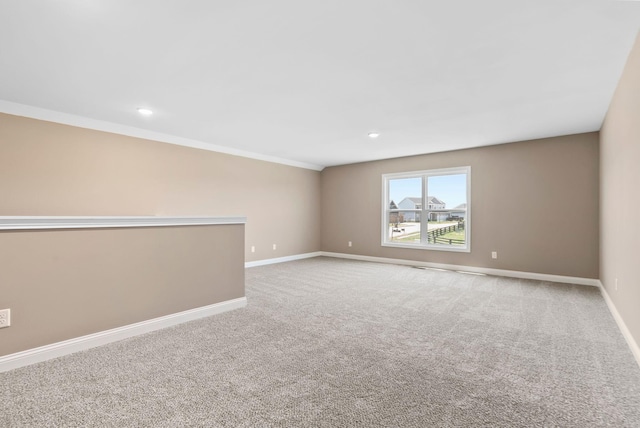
(427, 209)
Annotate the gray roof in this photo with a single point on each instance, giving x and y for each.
(430, 200)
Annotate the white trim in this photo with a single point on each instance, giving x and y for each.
(486, 271)
(131, 131)
(82, 222)
(635, 349)
(282, 259)
(59, 349)
(433, 247)
(436, 171)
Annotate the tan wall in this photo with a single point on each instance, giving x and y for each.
(534, 202)
(53, 169)
(620, 195)
(62, 284)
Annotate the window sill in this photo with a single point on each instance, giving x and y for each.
(431, 247)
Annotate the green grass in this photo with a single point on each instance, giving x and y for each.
(458, 234)
(412, 237)
(415, 236)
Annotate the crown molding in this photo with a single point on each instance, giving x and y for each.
(131, 131)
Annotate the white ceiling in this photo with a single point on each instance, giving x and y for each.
(304, 82)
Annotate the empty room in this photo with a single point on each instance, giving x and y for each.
(319, 214)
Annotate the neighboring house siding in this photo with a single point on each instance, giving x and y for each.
(438, 216)
(439, 207)
(414, 203)
(410, 204)
(435, 203)
(460, 211)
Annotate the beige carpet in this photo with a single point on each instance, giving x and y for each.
(336, 343)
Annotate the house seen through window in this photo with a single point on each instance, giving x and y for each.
(427, 209)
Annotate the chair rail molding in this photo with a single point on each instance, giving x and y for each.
(84, 222)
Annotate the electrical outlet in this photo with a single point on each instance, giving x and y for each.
(5, 318)
(274, 246)
(350, 244)
(494, 254)
(616, 284)
(253, 248)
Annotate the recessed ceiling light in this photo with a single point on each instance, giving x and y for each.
(374, 134)
(145, 111)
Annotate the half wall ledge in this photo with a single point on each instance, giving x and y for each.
(84, 222)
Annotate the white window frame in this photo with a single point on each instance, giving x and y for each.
(424, 212)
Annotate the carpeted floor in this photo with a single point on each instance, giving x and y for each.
(337, 343)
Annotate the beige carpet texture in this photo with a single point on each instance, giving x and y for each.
(337, 343)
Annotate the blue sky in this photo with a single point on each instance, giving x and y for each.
(448, 188)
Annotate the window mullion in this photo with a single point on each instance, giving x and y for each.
(424, 213)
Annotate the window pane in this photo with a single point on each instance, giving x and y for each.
(405, 203)
(401, 230)
(447, 204)
(427, 209)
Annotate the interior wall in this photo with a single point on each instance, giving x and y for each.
(53, 169)
(620, 196)
(62, 284)
(534, 202)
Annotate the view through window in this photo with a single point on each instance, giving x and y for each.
(427, 209)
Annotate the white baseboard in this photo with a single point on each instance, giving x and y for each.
(282, 259)
(621, 324)
(635, 349)
(487, 271)
(59, 349)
